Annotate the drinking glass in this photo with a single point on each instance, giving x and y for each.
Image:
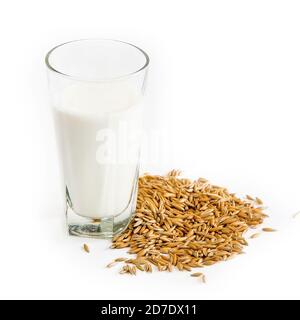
(96, 91)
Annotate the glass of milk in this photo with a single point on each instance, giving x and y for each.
(96, 92)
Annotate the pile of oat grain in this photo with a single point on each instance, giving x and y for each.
(185, 224)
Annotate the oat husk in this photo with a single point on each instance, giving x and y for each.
(86, 248)
(186, 224)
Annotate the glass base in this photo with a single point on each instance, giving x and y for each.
(103, 228)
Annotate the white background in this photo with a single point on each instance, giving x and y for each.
(224, 82)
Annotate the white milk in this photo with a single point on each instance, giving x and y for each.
(98, 129)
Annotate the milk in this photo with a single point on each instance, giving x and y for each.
(98, 130)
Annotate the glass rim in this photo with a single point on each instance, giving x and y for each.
(55, 70)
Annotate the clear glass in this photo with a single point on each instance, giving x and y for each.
(96, 92)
